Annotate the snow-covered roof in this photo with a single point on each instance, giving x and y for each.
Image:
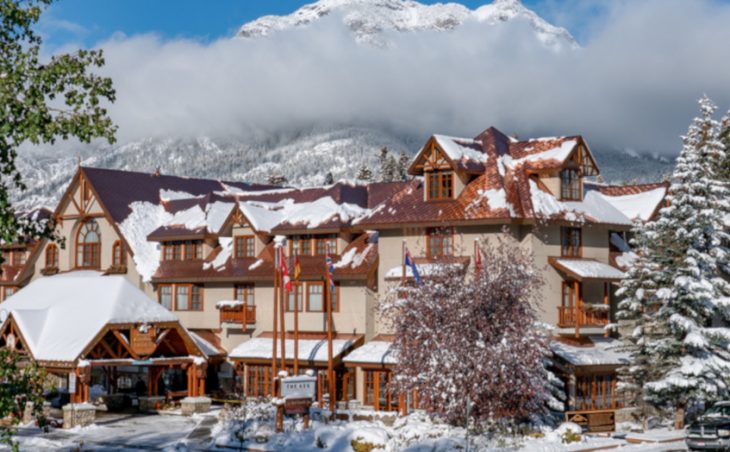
(60, 315)
(265, 216)
(310, 350)
(601, 351)
(588, 269)
(639, 205)
(373, 352)
(204, 345)
(459, 149)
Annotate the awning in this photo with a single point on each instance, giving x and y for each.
(310, 351)
(207, 342)
(587, 269)
(374, 352)
(598, 351)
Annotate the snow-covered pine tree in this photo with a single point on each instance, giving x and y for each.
(634, 310)
(329, 179)
(364, 173)
(460, 337)
(403, 163)
(675, 293)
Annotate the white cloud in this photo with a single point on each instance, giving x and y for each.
(633, 84)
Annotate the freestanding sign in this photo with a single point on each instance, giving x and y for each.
(302, 387)
(298, 393)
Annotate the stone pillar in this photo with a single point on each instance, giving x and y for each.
(78, 414)
(192, 405)
(29, 416)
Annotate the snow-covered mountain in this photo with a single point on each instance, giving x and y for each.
(304, 159)
(305, 156)
(369, 19)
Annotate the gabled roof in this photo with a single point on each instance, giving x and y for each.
(58, 321)
(505, 188)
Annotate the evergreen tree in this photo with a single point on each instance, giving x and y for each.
(329, 179)
(403, 164)
(364, 173)
(675, 297)
(388, 166)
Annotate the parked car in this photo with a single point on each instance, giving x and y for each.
(711, 431)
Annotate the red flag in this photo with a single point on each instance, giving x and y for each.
(284, 270)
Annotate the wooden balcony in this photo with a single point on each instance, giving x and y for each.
(242, 315)
(570, 316)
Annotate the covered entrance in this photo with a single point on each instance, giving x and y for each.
(101, 333)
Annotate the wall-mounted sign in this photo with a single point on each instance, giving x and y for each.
(143, 342)
(72, 383)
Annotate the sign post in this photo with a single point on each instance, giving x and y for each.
(298, 393)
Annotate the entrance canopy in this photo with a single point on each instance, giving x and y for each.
(311, 350)
(377, 352)
(587, 269)
(85, 318)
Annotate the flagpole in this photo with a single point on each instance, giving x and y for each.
(403, 263)
(276, 310)
(330, 366)
(281, 314)
(296, 323)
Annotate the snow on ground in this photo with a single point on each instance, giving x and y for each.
(253, 425)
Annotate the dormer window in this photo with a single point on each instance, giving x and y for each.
(244, 246)
(570, 185)
(182, 250)
(440, 185)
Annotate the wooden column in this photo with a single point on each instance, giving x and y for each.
(296, 326)
(276, 315)
(282, 297)
(578, 306)
(605, 302)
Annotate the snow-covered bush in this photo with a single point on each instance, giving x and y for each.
(473, 337)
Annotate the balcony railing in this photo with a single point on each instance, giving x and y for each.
(570, 316)
(240, 315)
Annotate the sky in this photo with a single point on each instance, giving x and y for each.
(91, 21)
(632, 84)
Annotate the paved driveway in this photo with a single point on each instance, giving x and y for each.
(119, 432)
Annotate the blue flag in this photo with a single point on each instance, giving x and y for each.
(412, 264)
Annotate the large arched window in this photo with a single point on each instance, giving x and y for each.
(52, 256)
(88, 245)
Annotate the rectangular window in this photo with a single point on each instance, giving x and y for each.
(570, 242)
(300, 246)
(369, 388)
(182, 298)
(9, 291)
(167, 252)
(244, 246)
(245, 293)
(298, 292)
(18, 258)
(176, 251)
(570, 185)
(315, 297)
(324, 244)
(440, 242)
(440, 185)
(335, 298)
(196, 298)
(165, 295)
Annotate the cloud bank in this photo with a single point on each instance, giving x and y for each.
(633, 84)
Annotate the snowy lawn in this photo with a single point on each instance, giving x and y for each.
(253, 427)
